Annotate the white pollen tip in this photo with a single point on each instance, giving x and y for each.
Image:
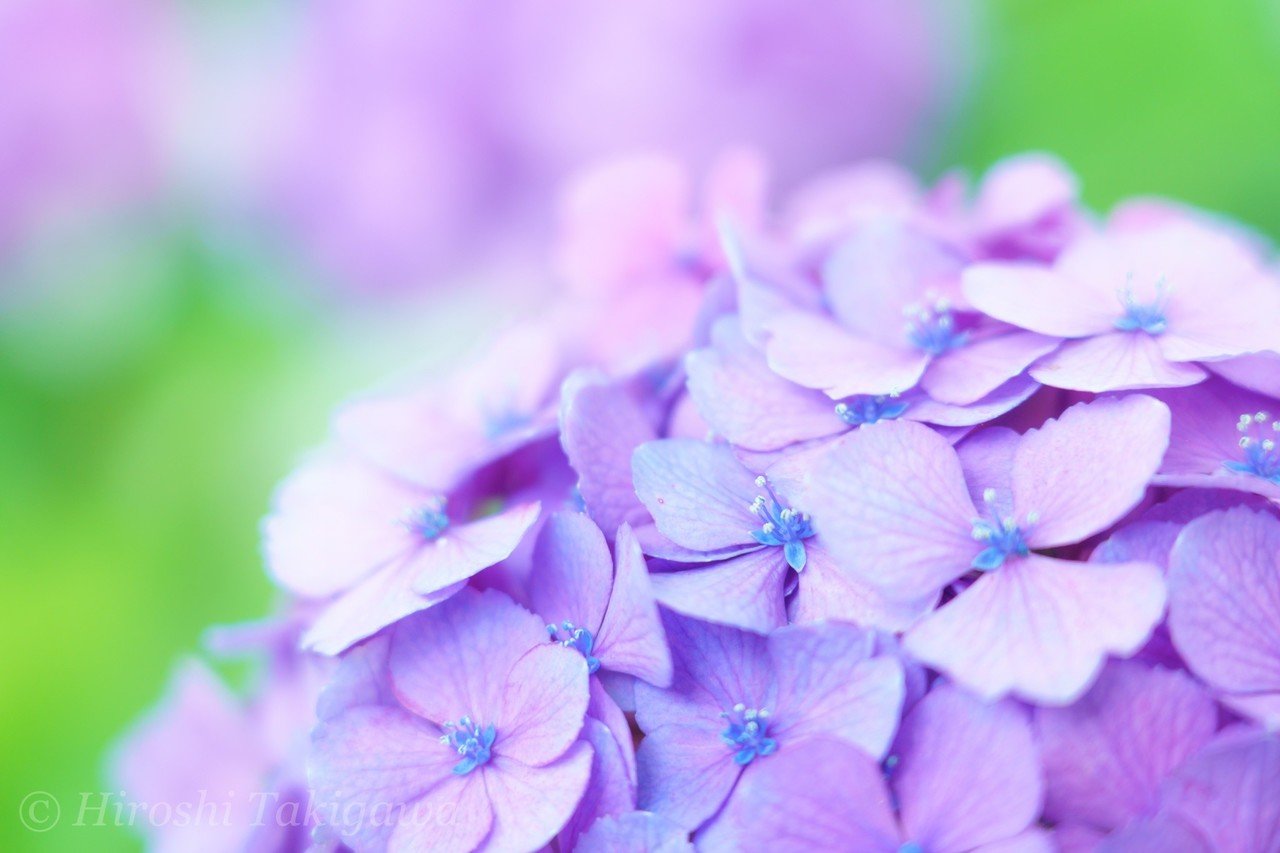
(760, 481)
(989, 495)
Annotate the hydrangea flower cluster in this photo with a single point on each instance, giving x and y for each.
(902, 519)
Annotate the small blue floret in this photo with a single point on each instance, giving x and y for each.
(747, 734)
(932, 329)
(1146, 317)
(471, 741)
(575, 638)
(1004, 537)
(782, 526)
(1258, 441)
(867, 409)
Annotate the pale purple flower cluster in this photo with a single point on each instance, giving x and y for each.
(939, 520)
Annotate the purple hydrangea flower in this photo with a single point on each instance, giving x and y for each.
(738, 700)
(767, 555)
(909, 526)
(963, 776)
(1224, 607)
(1138, 309)
(480, 749)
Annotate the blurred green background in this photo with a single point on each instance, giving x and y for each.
(140, 435)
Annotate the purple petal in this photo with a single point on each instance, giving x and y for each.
(1105, 756)
(987, 460)
(532, 804)
(1034, 840)
(965, 375)
(360, 679)
(745, 591)
(600, 424)
(743, 400)
(968, 773)
(822, 795)
(1038, 299)
(1224, 600)
(1114, 361)
(544, 703)
(1066, 617)
(896, 511)
(881, 269)
(603, 708)
(1228, 792)
(1259, 372)
(1084, 470)
(1020, 191)
(455, 815)
(816, 353)
(1161, 834)
(572, 574)
(631, 638)
(334, 521)
(609, 789)
(452, 661)
(463, 551)
(699, 494)
(635, 832)
(382, 599)
(685, 773)
(372, 755)
(1001, 400)
(828, 591)
(828, 684)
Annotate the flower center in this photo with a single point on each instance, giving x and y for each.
(471, 741)
(932, 328)
(866, 409)
(572, 637)
(781, 526)
(1147, 317)
(429, 520)
(747, 733)
(1258, 441)
(1001, 534)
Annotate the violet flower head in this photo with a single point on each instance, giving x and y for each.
(910, 527)
(485, 723)
(738, 700)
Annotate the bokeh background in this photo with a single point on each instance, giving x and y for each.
(168, 347)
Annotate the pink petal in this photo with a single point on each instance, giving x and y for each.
(817, 353)
(1040, 300)
(600, 424)
(634, 832)
(572, 574)
(1224, 599)
(373, 755)
(699, 494)
(1041, 627)
(1105, 756)
(743, 400)
(826, 678)
(631, 638)
(1020, 190)
(966, 374)
(968, 773)
(456, 815)
(1260, 372)
(531, 804)
(609, 790)
(463, 551)
(987, 459)
(828, 591)
(334, 521)
(544, 702)
(744, 591)
(1114, 361)
(1228, 792)
(896, 510)
(382, 599)
(822, 795)
(443, 662)
(1082, 471)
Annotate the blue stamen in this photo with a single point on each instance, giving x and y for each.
(429, 520)
(747, 734)
(782, 526)
(932, 328)
(1258, 441)
(866, 409)
(1149, 317)
(1003, 536)
(471, 741)
(575, 638)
